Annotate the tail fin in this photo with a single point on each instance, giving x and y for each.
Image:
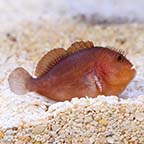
(18, 80)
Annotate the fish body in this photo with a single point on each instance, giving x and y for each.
(82, 70)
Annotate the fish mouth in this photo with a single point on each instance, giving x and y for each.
(133, 67)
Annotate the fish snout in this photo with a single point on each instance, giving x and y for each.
(133, 69)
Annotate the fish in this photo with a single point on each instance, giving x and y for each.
(81, 70)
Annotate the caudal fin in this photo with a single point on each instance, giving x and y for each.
(18, 81)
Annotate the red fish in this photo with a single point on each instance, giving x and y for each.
(81, 70)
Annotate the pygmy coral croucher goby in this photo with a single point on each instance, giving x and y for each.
(81, 70)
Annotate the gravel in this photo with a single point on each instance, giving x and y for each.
(32, 118)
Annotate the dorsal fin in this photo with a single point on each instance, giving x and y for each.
(49, 60)
(56, 55)
(77, 46)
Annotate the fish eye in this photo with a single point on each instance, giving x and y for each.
(120, 58)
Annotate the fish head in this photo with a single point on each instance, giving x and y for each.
(117, 70)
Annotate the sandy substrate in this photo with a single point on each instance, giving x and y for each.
(31, 119)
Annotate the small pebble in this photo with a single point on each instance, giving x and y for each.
(1, 134)
(103, 122)
(110, 140)
(140, 117)
(38, 129)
